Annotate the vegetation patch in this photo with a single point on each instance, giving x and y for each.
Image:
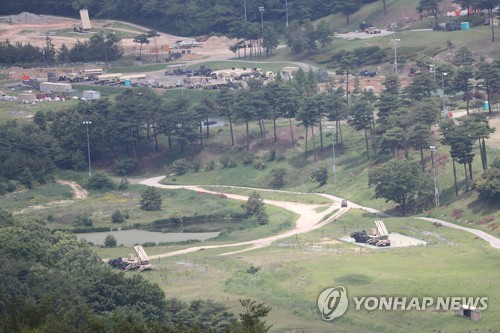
(354, 279)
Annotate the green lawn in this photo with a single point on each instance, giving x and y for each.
(294, 271)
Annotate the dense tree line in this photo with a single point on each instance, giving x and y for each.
(140, 122)
(192, 17)
(98, 48)
(53, 282)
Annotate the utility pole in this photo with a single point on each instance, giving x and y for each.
(88, 122)
(333, 152)
(286, 11)
(245, 6)
(261, 10)
(436, 190)
(443, 74)
(396, 41)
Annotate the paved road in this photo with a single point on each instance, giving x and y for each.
(494, 242)
(308, 219)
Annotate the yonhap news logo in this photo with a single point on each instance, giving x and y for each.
(333, 303)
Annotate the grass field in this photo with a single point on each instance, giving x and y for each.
(294, 271)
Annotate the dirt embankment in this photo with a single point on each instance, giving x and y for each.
(32, 28)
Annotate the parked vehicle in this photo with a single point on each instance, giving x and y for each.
(373, 30)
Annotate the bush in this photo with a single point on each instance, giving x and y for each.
(197, 165)
(248, 159)
(228, 161)
(123, 184)
(210, 166)
(259, 164)
(100, 181)
(254, 209)
(124, 166)
(278, 177)
(83, 220)
(488, 186)
(151, 199)
(117, 217)
(110, 241)
(320, 175)
(11, 186)
(180, 166)
(271, 156)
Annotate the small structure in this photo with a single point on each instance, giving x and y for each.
(468, 311)
(91, 95)
(55, 86)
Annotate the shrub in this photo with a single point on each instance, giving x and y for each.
(100, 181)
(248, 159)
(123, 184)
(180, 166)
(259, 164)
(228, 161)
(457, 214)
(124, 166)
(254, 204)
(320, 175)
(11, 186)
(278, 177)
(151, 199)
(110, 241)
(83, 220)
(253, 269)
(197, 165)
(271, 156)
(210, 166)
(488, 186)
(117, 217)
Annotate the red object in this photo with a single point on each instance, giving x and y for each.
(25, 77)
(450, 114)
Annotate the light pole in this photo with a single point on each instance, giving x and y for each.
(286, 12)
(443, 74)
(333, 152)
(88, 122)
(396, 41)
(261, 10)
(436, 190)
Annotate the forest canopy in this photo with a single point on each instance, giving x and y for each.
(189, 17)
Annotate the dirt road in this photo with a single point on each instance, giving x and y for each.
(308, 219)
(78, 191)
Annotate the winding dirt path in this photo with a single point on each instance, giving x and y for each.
(308, 219)
(78, 191)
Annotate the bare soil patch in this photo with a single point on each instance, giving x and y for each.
(32, 28)
(78, 191)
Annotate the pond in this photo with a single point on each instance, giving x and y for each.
(131, 237)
